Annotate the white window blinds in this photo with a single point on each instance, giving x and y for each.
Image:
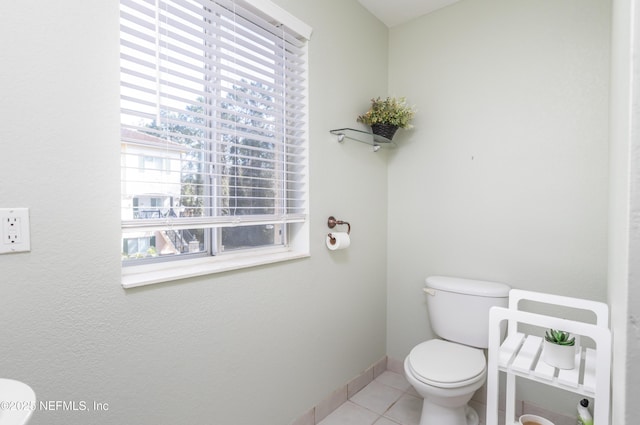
(213, 110)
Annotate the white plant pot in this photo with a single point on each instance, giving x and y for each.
(534, 419)
(560, 356)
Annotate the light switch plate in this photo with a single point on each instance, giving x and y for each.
(14, 226)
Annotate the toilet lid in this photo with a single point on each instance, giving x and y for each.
(446, 364)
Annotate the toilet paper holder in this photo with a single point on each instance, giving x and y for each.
(332, 222)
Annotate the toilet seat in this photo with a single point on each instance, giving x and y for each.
(446, 364)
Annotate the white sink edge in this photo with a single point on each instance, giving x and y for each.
(17, 402)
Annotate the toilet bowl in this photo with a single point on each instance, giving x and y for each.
(446, 375)
(447, 371)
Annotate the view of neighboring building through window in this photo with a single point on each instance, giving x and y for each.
(213, 136)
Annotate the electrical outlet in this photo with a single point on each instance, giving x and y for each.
(14, 224)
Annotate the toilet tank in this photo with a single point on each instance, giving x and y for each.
(459, 308)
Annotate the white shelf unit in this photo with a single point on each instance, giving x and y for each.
(519, 355)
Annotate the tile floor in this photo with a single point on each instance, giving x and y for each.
(387, 400)
(390, 400)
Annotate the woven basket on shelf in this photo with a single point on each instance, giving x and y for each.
(385, 130)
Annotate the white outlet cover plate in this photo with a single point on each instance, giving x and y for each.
(14, 227)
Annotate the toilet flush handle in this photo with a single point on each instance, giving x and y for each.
(429, 291)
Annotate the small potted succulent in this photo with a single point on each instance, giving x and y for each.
(385, 116)
(559, 349)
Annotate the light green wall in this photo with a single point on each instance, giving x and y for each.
(505, 175)
(258, 346)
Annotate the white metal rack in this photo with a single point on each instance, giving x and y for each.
(519, 355)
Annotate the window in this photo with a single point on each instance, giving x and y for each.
(214, 134)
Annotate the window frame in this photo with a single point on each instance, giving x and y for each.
(296, 243)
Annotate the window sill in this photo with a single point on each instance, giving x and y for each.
(135, 276)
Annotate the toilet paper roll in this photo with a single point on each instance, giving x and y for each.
(341, 241)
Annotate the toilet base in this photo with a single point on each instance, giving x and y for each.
(445, 406)
(435, 414)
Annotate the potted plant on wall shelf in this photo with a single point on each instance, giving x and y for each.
(386, 116)
(559, 349)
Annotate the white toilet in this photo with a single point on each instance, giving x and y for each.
(447, 372)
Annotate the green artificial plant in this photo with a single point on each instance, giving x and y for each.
(392, 111)
(559, 337)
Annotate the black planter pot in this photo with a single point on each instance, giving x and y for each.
(385, 130)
